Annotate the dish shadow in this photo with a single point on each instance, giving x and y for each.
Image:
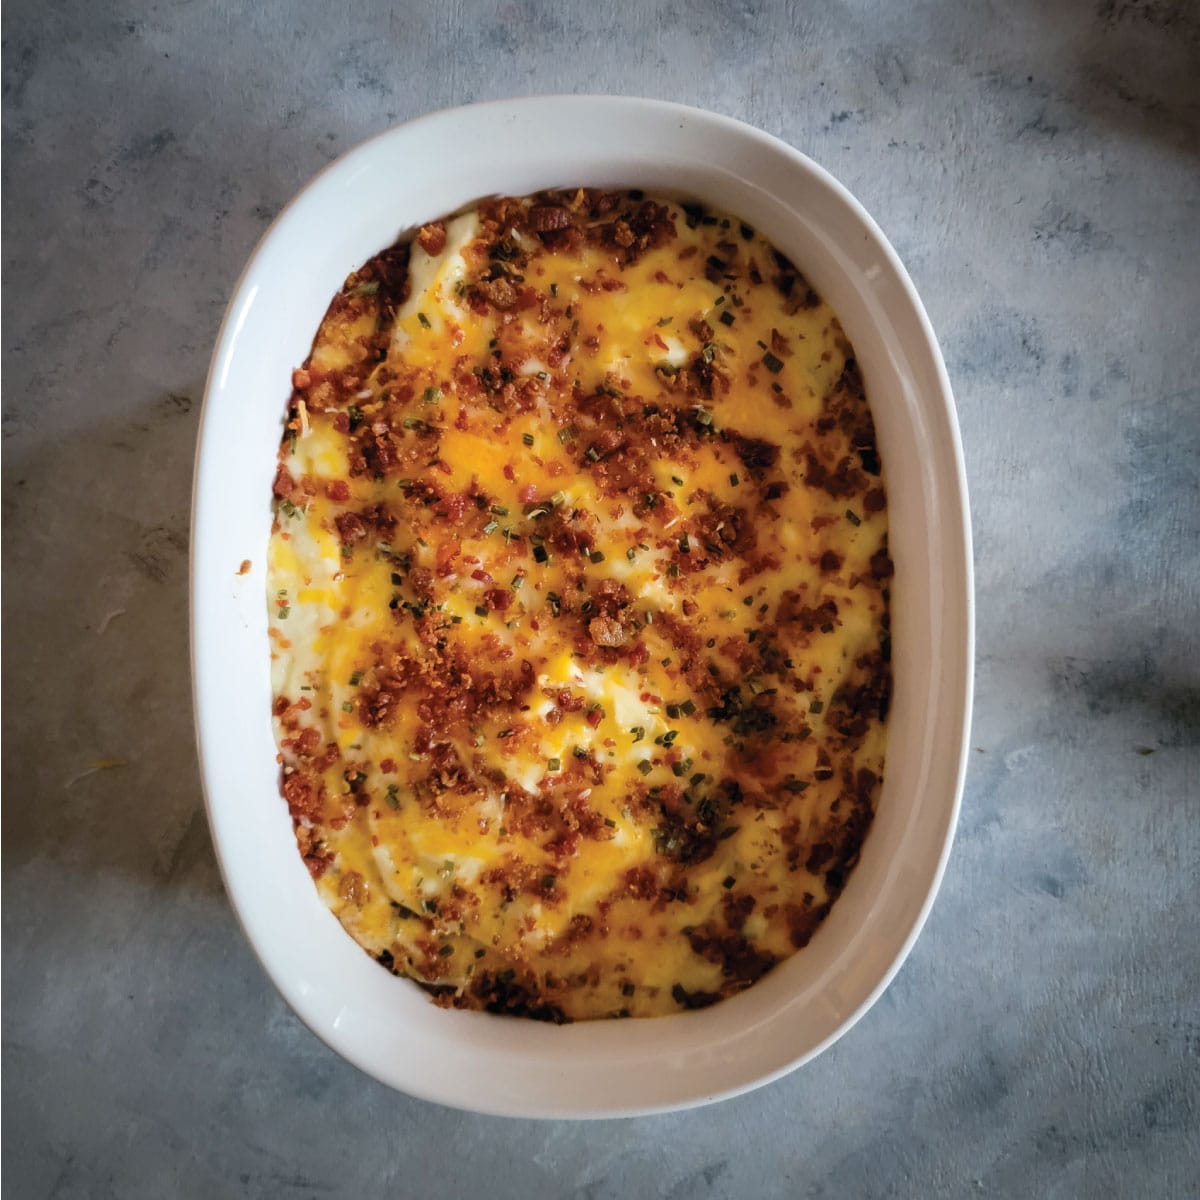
(100, 764)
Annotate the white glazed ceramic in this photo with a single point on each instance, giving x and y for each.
(358, 205)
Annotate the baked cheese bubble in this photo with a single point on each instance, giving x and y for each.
(578, 587)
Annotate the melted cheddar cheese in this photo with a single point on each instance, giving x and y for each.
(579, 607)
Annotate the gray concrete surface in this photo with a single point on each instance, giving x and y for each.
(1038, 167)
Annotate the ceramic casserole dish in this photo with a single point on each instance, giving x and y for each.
(385, 1025)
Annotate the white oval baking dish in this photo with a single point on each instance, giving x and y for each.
(385, 1025)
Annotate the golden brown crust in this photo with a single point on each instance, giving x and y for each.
(763, 663)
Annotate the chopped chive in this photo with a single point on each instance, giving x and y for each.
(284, 612)
(592, 454)
(773, 364)
(553, 764)
(678, 769)
(631, 554)
(664, 321)
(527, 438)
(669, 736)
(393, 796)
(610, 822)
(356, 679)
(853, 517)
(548, 882)
(445, 951)
(568, 433)
(673, 712)
(554, 289)
(517, 580)
(432, 395)
(541, 554)
(596, 556)
(543, 376)
(704, 417)
(817, 706)
(498, 510)
(505, 733)
(424, 320)
(673, 571)
(645, 766)
(727, 318)
(728, 882)
(687, 708)
(491, 527)
(481, 610)
(347, 706)
(558, 499)
(685, 546)
(639, 732)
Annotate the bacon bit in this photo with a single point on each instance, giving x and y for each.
(284, 486)
(338, 489)
(447, 552)
(528, 493)
(317, 864)
(432, 238)
(483, 577)
(546, 217)
(593, 717)
(301, 378)
(498, 599)
(353, 889)
(509, 473)
(350, 527)
(606, 631)
(639, 653)
(244, 569)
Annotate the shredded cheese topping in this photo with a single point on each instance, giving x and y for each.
(579, 607)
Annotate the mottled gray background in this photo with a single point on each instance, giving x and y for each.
(1038, 167)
